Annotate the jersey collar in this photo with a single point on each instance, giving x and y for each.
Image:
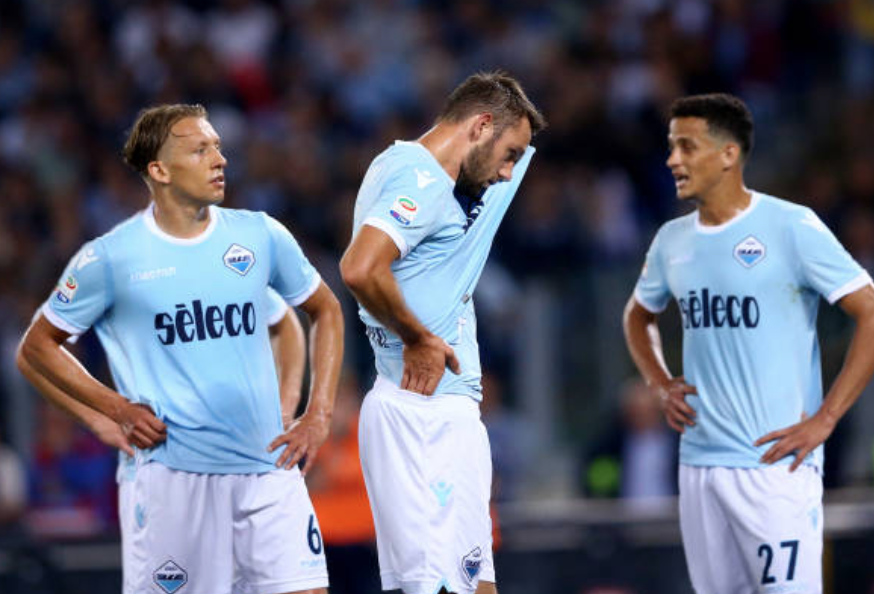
(152, 226)
(711, 229)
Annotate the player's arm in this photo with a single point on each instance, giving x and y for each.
(366, 270)
(41, 355)
(644, 342)
(289, 352)
(802, 438)
(106, 430)
(309, 432)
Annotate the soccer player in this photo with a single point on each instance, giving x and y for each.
(425, 217)
(747, 271)
(178, 297)
(286, 339)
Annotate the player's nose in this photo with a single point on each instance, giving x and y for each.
(505, 173)
(673, 159)
(220, 160)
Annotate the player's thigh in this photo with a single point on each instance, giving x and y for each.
(777, 519)
(713, 556)
(277, 541)
(393, 461)
(177, 532)
(428, 472)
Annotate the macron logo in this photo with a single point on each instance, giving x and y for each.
(86, 258)
(424, 178)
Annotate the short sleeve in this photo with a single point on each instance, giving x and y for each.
(292, 275)
(406, 213)
(825, 265)
(84, 291)
(275, 307)
(652, 291)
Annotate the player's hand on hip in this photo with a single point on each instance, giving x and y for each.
(799, 439)
(302, 440)
(672, 400)
(110, 433)
(425, 361)
(140, 425)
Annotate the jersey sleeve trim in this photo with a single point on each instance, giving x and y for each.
(307, 293)
(59, 322)
(854, 285)
(386, 228)
(277, 316)
(648, 305)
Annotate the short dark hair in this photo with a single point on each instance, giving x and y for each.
(724, 114)
(497, 93)
(150, 131)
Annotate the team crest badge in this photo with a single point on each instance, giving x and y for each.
(170, 577)
(471, 564)
(749, 252)
(239, 259)
(404, 210)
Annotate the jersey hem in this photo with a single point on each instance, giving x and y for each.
(386, 228)
(729, 462)
(854, 285)
(58, 322)
(217, 467)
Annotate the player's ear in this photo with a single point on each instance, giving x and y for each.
(730, 155)
(483, 124)
(158, 172)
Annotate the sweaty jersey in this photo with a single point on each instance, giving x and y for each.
(409, 196)
(748, 292)
(184, 326)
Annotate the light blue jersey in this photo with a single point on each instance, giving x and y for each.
(748, 293)
(184, 326)
(409, 196)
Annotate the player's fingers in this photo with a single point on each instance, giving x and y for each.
(125, 447)
(295, 458)
(286, 455)
(431, 386)
(282, 438)
(140, 440)
(683, 407)
(687, 389)
(405, 378)
(418, 383)
(452, 362)
(309, 459)
(766, 438)
(157, 424)
(147, 433)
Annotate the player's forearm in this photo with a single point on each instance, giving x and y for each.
(326, 357)
(55, 365)
(645, 344)
(381, 296)
(289, 348)
(85, 415)
(855, 373)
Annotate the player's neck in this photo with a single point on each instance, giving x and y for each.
(722, 205)
(180, 219)
(445, 142)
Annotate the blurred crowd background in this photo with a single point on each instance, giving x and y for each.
(306, 92)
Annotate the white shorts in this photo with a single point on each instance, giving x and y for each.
(751, 530)
(428, 470)
(219, 533)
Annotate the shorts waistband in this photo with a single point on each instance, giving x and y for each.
(459, 402)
